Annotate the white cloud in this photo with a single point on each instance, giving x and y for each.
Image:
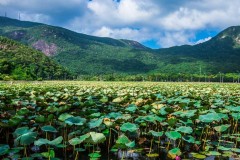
(35, 17)
(169, 22)
(175, 38)
(203, 40)
(124, 33)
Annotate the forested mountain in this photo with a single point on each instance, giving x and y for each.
(20, 62)
(89, 55)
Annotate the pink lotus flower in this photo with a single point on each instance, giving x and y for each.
(178, 158)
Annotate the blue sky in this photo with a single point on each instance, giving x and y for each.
(154, 23)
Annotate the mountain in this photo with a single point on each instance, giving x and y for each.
(220, 54)
(20, 62)
(90, 55)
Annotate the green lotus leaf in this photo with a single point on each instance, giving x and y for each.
(94, 155)
(23, 111)
(130, 144)
(184, 129)
(114, 115)
(172, 121)
(156, 134)
(237, 150)
(129, 127)
(16, 120)
(175, 151)
(84, 137)
(64, 116)
(52, 109)
(222, 128)
(25, 136)
(228, 154)
(173, 135)
(41, 141)
(210, 117)
(162, 111)
(95, 138)
(75, 121)
(95, 115)
(118, 100)
(40, 119)
(49, 128)
(152, 155)
(104, 99)
(75, 141)
(50, 154)
(4, 149)
(236, 116)
(222, 148)
(198, 156)
(159, 119)
(189, 139)
(150, 118)
(187, 113)
(95, 123)
(122, 140)
(233, 108)
(56, 141)
(213, 153)
(131, 108)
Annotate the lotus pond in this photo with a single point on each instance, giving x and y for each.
(119, 120)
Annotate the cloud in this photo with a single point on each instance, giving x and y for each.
(168, 22)
(170, 39)
(203, 40)
(124, 33)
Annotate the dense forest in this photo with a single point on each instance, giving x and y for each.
(20, 62)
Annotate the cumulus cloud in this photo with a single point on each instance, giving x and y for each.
(203, 40)
(170, 39)
(168, 22)
(124, 33)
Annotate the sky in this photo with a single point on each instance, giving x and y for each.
(154, 23)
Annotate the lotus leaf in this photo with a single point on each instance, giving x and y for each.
(129, 127)
(64, 116)
(156, 134)
(95, 123)
(184, 129)
(75, 121)
(95, 138)
(4, 149)
(49, 129)
(173, 135)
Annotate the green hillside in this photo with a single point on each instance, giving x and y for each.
(89, 55)
(20, 62)
(220, 54)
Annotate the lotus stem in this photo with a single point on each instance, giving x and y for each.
(151, 146)
(76, 156)
(122, 155)
(179, 143)
(168, 145)
(205, 138)
(109, 140)
(25, 150)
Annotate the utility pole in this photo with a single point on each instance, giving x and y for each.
(220, 78)
(19, 16)
(200, 71)
(238, 77)
(5, 14)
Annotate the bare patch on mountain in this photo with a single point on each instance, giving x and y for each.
(47, 49)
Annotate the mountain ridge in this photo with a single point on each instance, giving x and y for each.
(90, 55)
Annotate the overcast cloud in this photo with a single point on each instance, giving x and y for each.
(165, 22)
